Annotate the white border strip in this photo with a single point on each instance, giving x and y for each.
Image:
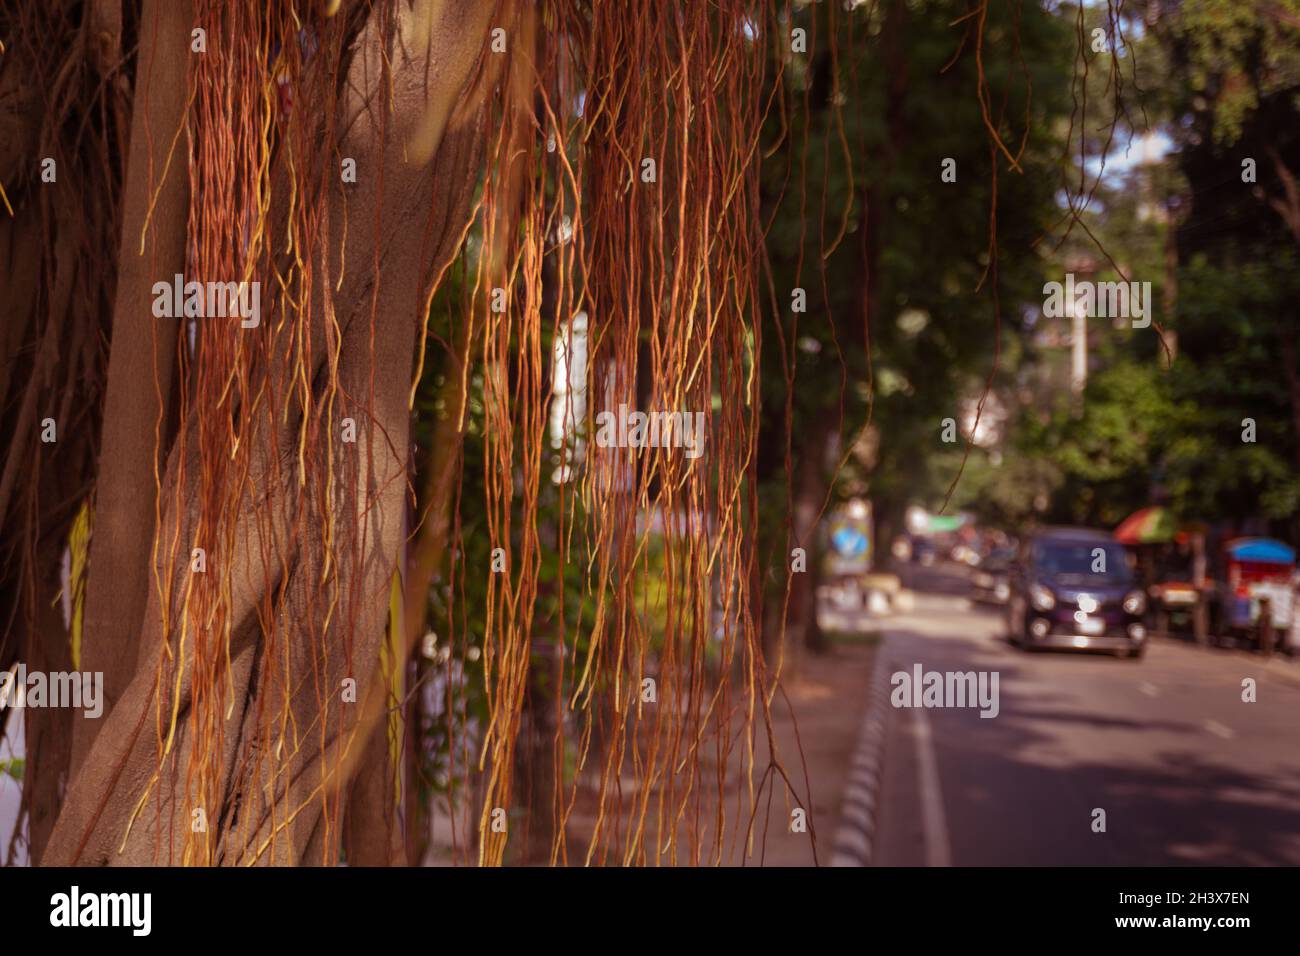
(853, 839)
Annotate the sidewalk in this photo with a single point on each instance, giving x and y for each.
(828, 695)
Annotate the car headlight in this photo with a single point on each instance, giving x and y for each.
(1042, 598)
(1135, 602)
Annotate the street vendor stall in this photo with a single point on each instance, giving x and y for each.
(1257, 590)
(1170, 561)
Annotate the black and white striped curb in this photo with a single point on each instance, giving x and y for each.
(853, 840)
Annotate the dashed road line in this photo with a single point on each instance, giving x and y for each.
(1219, 730)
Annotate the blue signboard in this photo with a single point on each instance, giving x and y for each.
(849, 542)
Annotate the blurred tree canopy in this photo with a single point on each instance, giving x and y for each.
(1199, 197)
(903, 286)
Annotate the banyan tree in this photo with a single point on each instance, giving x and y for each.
(311, 543)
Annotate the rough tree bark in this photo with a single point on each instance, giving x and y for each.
(432, 54)
(140, 368)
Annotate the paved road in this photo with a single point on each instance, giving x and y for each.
(1187, 773)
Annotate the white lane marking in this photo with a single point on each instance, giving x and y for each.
(933, 825)
(1148, 688)
(1219, 730)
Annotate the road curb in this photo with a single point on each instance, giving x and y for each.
(856, 833)
(1286, 671)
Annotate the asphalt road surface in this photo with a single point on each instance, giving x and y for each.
(1186, 772)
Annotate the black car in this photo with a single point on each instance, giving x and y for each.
(1075, 588)
(991, 579)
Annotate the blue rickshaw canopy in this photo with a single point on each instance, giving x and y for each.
(1267, 550)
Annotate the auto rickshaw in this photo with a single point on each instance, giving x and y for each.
(1256, 591)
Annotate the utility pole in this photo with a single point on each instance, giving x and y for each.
(1078, 353)
(1082, 268)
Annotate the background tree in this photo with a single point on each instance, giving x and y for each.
(906, 291)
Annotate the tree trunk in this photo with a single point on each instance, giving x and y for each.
(278, 803)
(809, 507)
(140, 368)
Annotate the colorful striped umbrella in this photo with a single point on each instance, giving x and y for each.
(1147, 526)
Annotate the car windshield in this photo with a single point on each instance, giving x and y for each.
(1082, 560)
